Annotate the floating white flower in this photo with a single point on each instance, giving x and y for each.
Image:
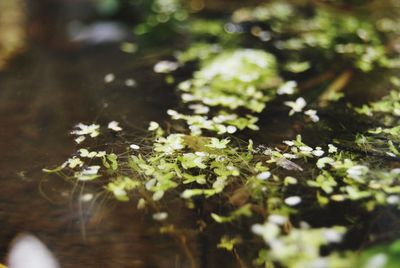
(141, 204)
(158, 195)
(186, 97)
(73, 162)
(130, 82)
(312, 114)
(80, 139)
(114, 125)
(379, 260)
(293, 200)
(305, 149)
(264, 175)
(318, 152)
(356, 172)
(174, 114)
(199, 108)
(134, 146)
(153, 126)
(82, 129)
(393, 199)
(87, 197)
(165, 66)
(289, 143)
(85, 153)
(91, 170)
(297, 106)
(287, 88)
(277, 219)
(160, 216)
(333, 236)
(231, 129)
(332, 148)
(108, 78)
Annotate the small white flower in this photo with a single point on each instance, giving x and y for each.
(185, 85)
(324, 161)
(293, 200)
(165, 66)
(82, 129)
(134, 147)
(333, 236)
(289, 156)
(391, 154)
(264, 175)
(393, 199)
(73, 162)
(86, 197)
(80, 139)
(150, 184)
(332, 148)
(297, 106)
(305, 149)
(91, 170)
(86, 153)
(108, 78)
(377, 261)
(153, 126)
(201, 154)
(288, 88)
(199, 108)
(318, 152)
(160, 216)
(289, 143)
(277, 219)
(158, 195)
(101, 154)
(312, 114)
(172, 113)
(130, 82)
(186, 97)
(356, 172)
(231, 129)
(141, 204)
(114, 125)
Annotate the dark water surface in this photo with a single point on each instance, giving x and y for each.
(44, 93)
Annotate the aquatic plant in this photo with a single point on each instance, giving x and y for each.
(266, 190)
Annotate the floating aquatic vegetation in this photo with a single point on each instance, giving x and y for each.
(300, 248)
(267, 189)
(385, 114)
(233, 79)
(164, 15)
(327, 32)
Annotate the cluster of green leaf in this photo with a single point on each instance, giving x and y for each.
(222, 123)
(226, 81)
(161, 14)
(385, 115)
(300, 247)
(233, 79)
(269, 187)
(326, 32)
(191, 166)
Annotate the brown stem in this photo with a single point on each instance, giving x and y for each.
(337, 85)
(316, 80)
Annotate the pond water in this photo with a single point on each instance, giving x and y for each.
(47, 90)
(55, 84)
